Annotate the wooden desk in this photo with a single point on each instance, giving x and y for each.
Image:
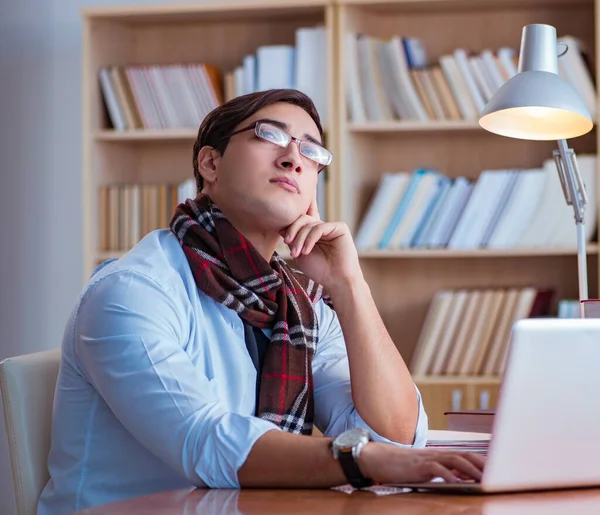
(308, 502)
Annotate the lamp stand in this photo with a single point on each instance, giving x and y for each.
(575, 195)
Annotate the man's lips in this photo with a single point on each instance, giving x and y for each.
(286, 181)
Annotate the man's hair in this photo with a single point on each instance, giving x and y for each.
(216, 128)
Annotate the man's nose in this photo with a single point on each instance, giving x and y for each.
(290, 158)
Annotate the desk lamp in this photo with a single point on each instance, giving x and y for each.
(536, 104)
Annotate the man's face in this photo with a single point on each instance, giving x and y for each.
(253, 176)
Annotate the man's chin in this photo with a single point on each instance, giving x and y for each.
(281, 216)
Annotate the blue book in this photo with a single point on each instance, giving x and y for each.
(443, 185)
(402, 207)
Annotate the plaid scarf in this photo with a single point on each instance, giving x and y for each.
(228, 268)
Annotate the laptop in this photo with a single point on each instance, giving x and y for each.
(546, 431)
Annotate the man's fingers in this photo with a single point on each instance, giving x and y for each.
(291, 232)
(311, 240)
(298, 242)
(476, 459)
(437, 469)
(463, 465)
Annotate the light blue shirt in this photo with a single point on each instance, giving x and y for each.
(156, 388)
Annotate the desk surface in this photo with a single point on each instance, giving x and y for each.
(293, 502)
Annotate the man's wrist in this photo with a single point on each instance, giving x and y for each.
(355, 285)
(366, 460)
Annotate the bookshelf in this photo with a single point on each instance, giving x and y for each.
(403, 282)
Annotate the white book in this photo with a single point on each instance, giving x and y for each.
(115, 112)
(477, 69)
(506, 57)
(492, 68)
(572, 65)
(183, 94)
(144, 74)
(408, 224)
(198, 84)
(458, 86)
(506, 193)
(165, 102)
(462, 61)
(238, 81)
(393, 92)
(311, 66)
(381, 209)
(432, 216)
(538, 231)
(148, 105)
(450, 213)
(249, 65)
(478, 211)
(519, 209)
(370, 76)
(403, 81)
(354, 93)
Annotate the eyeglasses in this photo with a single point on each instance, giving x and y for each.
(273, 134)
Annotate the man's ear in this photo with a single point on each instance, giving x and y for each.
(208, 160)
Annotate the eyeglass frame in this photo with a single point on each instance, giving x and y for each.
(254, 125)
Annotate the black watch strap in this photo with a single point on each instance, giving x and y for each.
(352, 471)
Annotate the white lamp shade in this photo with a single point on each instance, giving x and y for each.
(536, 105)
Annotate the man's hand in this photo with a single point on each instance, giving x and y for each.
(324, 251)
(386, 464)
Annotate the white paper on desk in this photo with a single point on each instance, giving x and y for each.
(375, 489)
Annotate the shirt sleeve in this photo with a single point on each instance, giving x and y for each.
(334, 408)
(130, 339)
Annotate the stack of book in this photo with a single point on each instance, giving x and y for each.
(467, 332)
(501, 209)
(160, 97)
(127, 212)
(395, 79)
(179, 96)
(302, 66)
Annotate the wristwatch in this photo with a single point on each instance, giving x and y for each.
(346, 448)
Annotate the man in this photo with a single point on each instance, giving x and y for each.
(201, 358)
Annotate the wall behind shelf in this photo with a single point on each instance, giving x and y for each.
(40, 178)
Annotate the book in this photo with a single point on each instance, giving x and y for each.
(591, 308)
(476, 421)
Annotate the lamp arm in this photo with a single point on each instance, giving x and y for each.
(576, 196)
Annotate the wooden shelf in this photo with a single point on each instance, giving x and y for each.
(414, 126)
(592, 249)
(456, 5)
(240, 10)
(147, 135)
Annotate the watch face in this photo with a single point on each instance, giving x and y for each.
(351, 438)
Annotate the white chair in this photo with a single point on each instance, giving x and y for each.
(27, 386)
